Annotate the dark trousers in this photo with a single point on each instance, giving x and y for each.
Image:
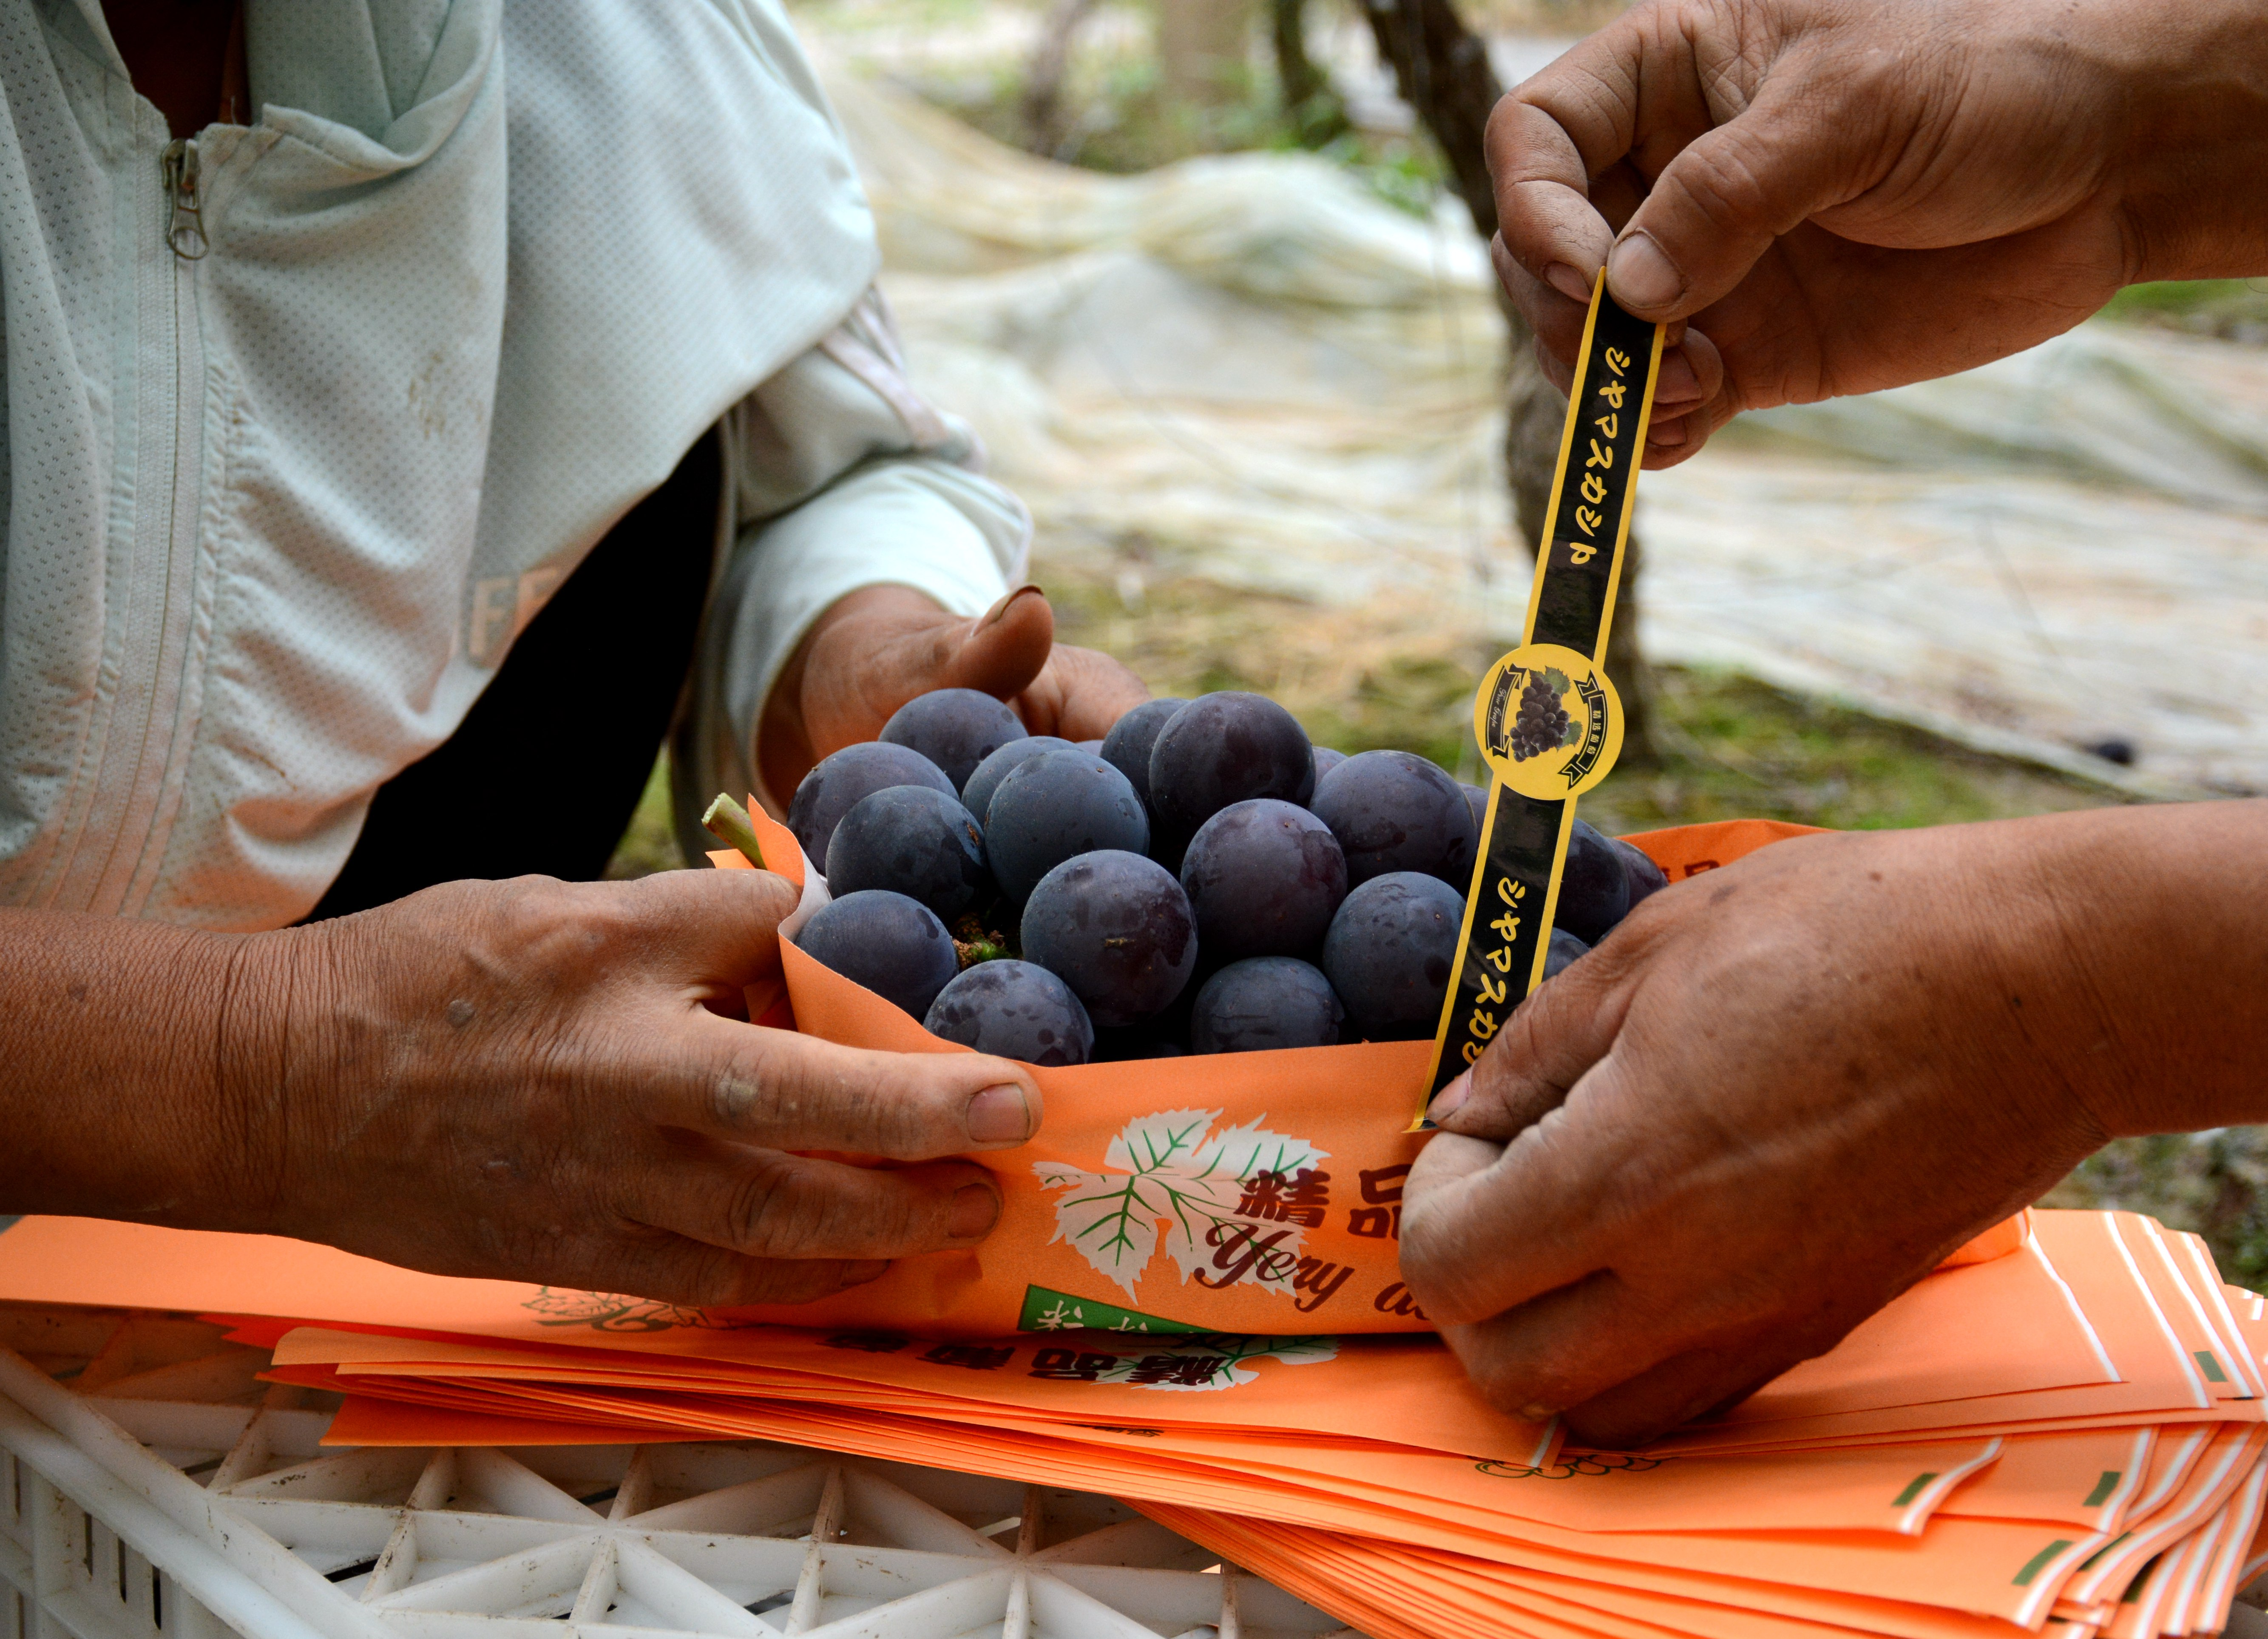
(546, 768)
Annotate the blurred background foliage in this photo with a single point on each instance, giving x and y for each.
(1393, 675)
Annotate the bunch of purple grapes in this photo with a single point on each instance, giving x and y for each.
(1541, 725)
(1202, 880)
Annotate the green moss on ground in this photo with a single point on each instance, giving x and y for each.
(2234, 310)
(649, 843)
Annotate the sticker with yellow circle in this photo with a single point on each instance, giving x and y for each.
(1548, 721)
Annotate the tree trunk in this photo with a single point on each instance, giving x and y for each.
(1312, 109)
(1442, 70)
(1043, 82)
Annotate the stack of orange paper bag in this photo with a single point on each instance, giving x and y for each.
(2067, 1437)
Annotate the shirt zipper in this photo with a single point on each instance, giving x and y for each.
(135, 810)
(184, 229)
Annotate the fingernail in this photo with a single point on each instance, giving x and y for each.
(999, 1115)
(1678, 384)
(1538, 1414)
(1451, 1098)
(868, 1269)
(999, 611)
(976, 1209)
(1568, 282)
(1641, 277)
(1668, 434)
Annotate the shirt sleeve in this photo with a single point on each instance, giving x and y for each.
(840, 476)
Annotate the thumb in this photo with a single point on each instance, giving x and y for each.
(1717, 206)
(1000, 652)
(1551, 1038)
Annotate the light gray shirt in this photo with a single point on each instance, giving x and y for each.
(293, 447)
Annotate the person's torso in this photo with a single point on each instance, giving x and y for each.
(304, 421)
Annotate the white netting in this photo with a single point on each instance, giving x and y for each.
(1253, 366)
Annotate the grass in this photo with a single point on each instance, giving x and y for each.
(649, 843)
(1118, 116)
(2234, 310)
(1389, 675)
(1394, 676)
(1122, 120)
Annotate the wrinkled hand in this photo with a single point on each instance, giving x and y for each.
(878, 648)
(1781, 1092)
(532, 1080)
(1843, 195)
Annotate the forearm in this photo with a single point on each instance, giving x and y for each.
(2133, 951)
(124, 1084)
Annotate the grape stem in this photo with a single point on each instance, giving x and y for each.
(730, 822)
(975, 942)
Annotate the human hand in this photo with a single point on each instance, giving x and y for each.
(878, 647)
(1781, 1092)
(530, 1081)
(1842, 196)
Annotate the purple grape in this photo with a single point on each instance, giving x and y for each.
(1477, 799)
(834, 787)
(1054, 807)
(1126, 747)
(976, 796)
(1014, 1010)
(1226, 747)
(1265, 1002)
(1563, 949)
(1326, 760)
(954, 728)
(1390, 951)
(1263, 878)
(1092, 748)
(1593, 891)
(1116, 928)
(894, 946)
(1646, 877)
(1392, 811)
(914, 841)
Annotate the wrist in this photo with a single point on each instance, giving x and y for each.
(2133, 958)
(113, 1092)
(2191, 139)
(276, 984)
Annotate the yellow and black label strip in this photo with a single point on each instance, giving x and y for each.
(1546, 718)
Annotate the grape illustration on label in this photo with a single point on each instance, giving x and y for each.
(1548, 721)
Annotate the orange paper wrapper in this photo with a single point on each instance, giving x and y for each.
(1257, 1194)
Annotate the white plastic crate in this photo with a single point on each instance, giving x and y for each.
(151, 1486)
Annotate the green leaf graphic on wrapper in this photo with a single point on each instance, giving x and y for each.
(1558, 682)
(1172, 1168)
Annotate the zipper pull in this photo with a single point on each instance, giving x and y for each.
(185, 231)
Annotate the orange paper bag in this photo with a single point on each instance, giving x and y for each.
(1255, 1193)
